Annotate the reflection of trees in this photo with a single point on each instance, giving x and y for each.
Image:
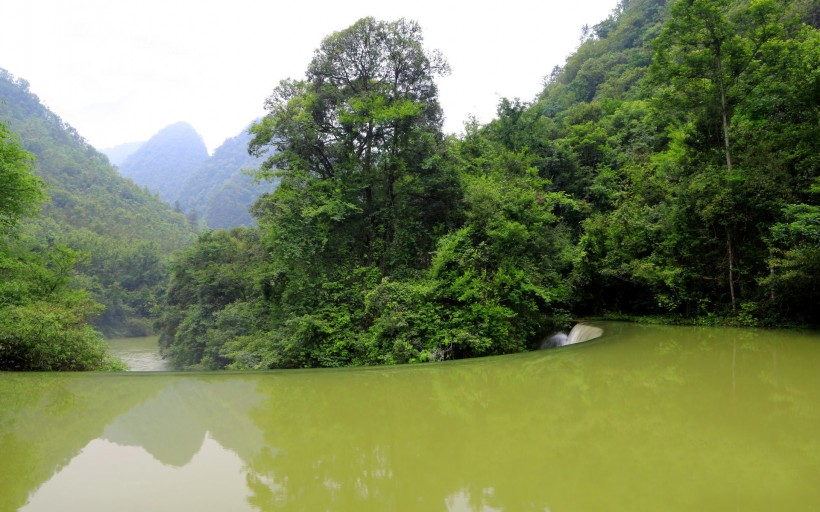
(645, 418)
(671, 418)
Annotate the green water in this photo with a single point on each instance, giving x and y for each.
(643, 418)
(141, 354)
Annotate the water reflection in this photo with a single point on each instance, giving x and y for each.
(172, 425)
(108, 476)
(645, 418)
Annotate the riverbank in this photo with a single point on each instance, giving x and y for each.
(739, 320)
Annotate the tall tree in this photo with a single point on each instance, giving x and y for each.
(703, 56)
(364, 127)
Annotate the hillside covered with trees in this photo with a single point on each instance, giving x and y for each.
(220, 191)
(43, 321)
(99, 232)
(668, 169)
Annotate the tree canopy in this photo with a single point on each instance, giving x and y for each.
(20, 190)
(668, 169)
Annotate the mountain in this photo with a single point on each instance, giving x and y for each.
(127, 233)
(167, 160)
(117, 154)
(219, 191)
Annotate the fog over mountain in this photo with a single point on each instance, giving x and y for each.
(168, 158)
(117, 154)
(220, 190)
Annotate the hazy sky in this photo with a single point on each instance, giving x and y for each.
(120, 70)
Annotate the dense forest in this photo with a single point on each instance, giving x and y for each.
(667, 170)
(81, 249)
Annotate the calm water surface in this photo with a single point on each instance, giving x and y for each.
(140, 354)
(643, 418)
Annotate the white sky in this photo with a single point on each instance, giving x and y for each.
(121, 70)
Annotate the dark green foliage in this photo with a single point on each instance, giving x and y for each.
(687, 165)
(166, 161)
(383, 241)
(49, 329)
(212, 283)
(669, 168)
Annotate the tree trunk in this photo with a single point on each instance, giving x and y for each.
(731, 268)
(724, 111)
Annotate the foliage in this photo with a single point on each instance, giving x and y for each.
(127, 233)
(20, 191)
(44, 323)
(667, 170)
(384, 242)
(216, 272)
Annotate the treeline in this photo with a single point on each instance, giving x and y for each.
(669, 168)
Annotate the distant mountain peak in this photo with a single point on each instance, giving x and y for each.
(166, 160)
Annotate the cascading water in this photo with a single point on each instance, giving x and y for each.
(579, 334)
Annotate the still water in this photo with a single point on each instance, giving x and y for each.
(644, 418)
(140, 354)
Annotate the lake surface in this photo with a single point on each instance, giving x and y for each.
(644, 418)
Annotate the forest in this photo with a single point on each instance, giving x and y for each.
(666, 172)
(83, 252)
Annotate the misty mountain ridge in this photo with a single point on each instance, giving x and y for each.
(214, 189)
(119, 153)
(166, 160)
(220, 191)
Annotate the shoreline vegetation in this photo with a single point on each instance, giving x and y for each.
(666, 173)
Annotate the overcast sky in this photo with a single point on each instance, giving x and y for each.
(120, 70)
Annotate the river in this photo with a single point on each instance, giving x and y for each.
(644, 418)
(141, 354)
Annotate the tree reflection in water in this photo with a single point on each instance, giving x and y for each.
(646, 417)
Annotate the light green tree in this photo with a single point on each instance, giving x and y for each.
(21, 192)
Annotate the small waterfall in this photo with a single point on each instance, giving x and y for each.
(583, 332)
(556, 340)
(579, 334)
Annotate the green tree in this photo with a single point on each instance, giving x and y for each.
(220, 271)
(704, 56)
(21, 192)
(363, 131)
(44, 323)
